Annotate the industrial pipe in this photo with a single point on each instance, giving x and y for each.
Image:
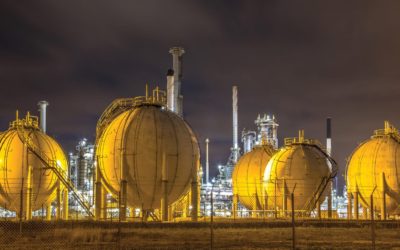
(171, 101)
(235, 146)
(207, 162)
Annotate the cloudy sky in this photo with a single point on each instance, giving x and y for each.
(300, 60)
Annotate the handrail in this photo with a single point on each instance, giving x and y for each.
(310, 205)
(122, 104)
(56, 168)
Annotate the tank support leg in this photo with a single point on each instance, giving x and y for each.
(28, 203)
(266, 205)
(103, 202)
(48, 212)
(98, 200)
(356, 207)
(284, 199)
(254, 208)
(122, 200)
(58, 214)
(330, 200)
(164, 188)
(319, 209)
(195, 199)
(383, 195)
(234, 205)
(65, 204)
(349, 206)
(365, 213)
(170, 213)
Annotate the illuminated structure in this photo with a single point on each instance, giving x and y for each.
(147, 156)
(373, 170)
(31, 163)
(267, 133)
(247, 178)
(81, 172)
(299, 167)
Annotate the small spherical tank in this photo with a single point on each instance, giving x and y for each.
(247, 176)
(300, 165)
(375, 165)
(20, 169)
(135, 146)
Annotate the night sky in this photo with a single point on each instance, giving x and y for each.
(300, 60)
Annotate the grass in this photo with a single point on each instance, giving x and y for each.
(194, 236)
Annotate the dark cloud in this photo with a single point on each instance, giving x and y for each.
(302, 61)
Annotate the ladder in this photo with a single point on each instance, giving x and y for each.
(56, 168)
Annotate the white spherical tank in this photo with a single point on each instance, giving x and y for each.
(146, 146)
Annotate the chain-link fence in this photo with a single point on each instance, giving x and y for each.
(224, 221)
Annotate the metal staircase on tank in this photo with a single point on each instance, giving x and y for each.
(56, 168)
(120, 105)
(312, 202)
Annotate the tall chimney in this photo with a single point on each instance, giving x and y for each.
(329, 152)
(328, 136)
(177, 53)
(235, 123)
(171, 91)
(42, 109)
(207, 163)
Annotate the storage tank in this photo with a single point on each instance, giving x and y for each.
(22, 171)
(247, 177)
(375, 166)
(148, 154)
(301, 165)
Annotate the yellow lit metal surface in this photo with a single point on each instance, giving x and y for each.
(376, 157)
(132, 146)
(247, 176)
(17, 164)
(301, 163)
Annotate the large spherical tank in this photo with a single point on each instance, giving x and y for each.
(16, 160)
(297, 164)
(247, 176)
(132, 147)
(371, 160)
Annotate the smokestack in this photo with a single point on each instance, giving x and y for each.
(177, 53)
(328, 136)
(207, 163)
(42, 109)
(235, 123)
(171, 91)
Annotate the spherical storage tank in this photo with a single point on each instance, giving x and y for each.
(20, 169)
(136, 144)
(301, 165)
(375, 164)
(247, 176)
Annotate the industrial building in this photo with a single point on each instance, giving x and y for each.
(81, 172)
(145, 166)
